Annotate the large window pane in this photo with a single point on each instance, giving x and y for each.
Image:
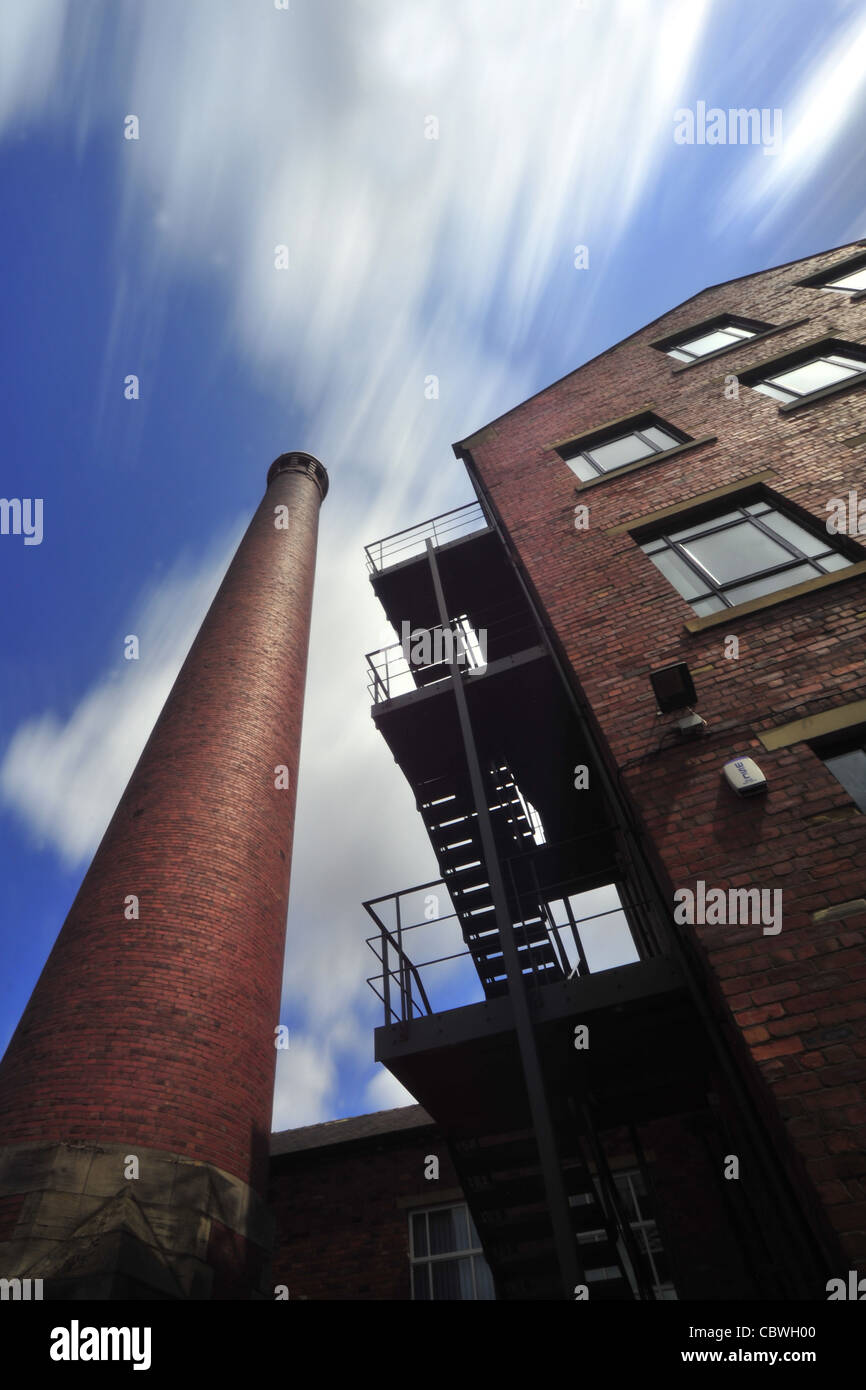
(439, 1271)
(678, 573)
(710, 342)
(812, 376)
(855, 281)
(452, 1279)
(797, 575)
(797, 535)
(736, 552)
(446, 1278)
(443, 1234)
(619, 452)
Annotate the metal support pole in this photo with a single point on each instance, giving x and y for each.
(557, 1197)
(400, 960)
(386, 977)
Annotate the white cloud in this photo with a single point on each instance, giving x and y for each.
(827, 105)
(407, 257)
(30, 44)
(385, 1092)
(306, 1081)
(64, 778)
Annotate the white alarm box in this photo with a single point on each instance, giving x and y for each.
(744, 776)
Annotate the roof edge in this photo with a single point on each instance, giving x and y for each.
(463, 444)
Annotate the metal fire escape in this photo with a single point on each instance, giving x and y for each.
(564, 1022)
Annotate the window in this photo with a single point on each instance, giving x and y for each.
(636, 1206)
(710, 337)
(595, 455)
(846, 758)
(730, 557)
(801, 378)
(446, 1258)
(850, 283)
(848, 277)
(723, 335)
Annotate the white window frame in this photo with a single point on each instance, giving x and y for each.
(757, 512)
(472, 1253)
(836, 283)
(582, 450)
(768, 385)
(681, 352)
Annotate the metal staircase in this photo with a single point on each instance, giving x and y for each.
(452, 825)
(501, 1176)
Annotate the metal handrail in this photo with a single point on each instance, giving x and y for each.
(388, 667)
(646, 943)
(405, 966)
(389, 549)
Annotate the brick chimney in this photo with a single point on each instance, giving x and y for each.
(136, 1092)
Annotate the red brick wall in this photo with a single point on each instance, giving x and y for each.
(342, 1232)
(799, 997)
(159, 1032)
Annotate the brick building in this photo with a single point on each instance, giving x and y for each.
(650, 963)
(353, 1201)
(630, 698)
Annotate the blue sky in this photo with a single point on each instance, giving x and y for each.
(407, 257)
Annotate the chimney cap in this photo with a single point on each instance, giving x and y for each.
(297, 462)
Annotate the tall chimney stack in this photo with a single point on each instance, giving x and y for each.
(136, 1092)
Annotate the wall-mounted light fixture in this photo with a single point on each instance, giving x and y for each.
(674, 690)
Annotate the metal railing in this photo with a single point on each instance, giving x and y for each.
(423, 657)
(405, 544)
(400, 985)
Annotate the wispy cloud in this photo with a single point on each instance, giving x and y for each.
(64, 777)
(823, 119)
(408, 257)
(385, 1091)
(306, 1084)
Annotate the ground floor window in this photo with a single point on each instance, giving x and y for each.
(446, 1256)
